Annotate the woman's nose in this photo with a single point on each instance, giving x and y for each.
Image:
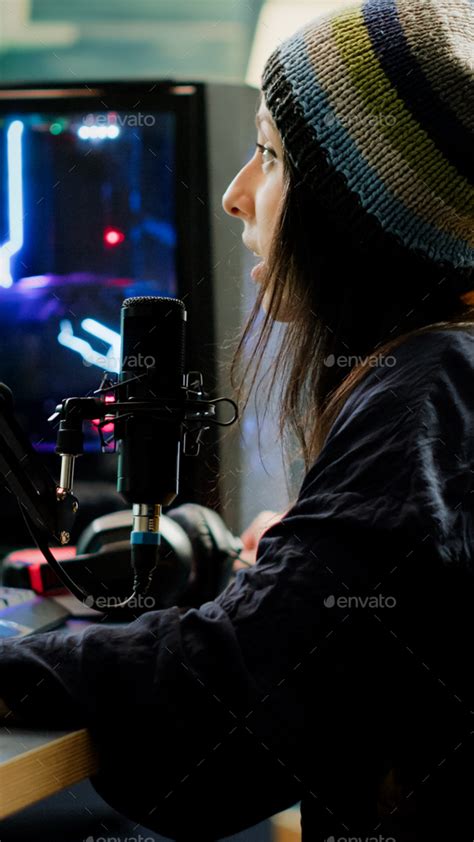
(238, 198)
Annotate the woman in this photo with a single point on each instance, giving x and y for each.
(336, 670)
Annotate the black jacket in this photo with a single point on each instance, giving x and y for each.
(337, 671)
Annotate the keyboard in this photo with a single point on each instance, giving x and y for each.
(22, 611)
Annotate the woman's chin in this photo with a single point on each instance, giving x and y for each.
(258, 275)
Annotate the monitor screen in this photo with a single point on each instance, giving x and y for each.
(103, 196)
(87, 219)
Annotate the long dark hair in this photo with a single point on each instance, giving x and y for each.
(351, 299)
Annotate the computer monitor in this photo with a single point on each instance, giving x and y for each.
(110, 190)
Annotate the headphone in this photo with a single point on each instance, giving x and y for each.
(197, 554)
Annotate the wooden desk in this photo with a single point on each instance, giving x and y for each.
(35, 764)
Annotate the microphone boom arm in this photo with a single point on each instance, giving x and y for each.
(50, 509)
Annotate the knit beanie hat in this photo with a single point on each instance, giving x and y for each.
(375, 107)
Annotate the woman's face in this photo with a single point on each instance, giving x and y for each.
(256, 193)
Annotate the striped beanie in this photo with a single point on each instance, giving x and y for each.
(375, 107)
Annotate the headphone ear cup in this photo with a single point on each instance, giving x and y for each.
(214, 549)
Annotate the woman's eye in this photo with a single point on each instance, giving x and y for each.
(270, 153)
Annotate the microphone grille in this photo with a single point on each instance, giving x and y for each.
(153, 301)
(153, 340)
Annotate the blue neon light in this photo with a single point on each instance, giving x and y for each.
(15, 202)
(109, 362)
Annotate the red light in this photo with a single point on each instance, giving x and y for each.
(113, 237)
(109, 427)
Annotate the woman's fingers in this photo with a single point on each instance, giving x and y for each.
(251, 537)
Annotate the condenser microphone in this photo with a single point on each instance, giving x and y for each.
(148, 428)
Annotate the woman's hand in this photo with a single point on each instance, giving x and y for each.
(251, 537)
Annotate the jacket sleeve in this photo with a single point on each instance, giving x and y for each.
(216, 717)
(199, 718)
